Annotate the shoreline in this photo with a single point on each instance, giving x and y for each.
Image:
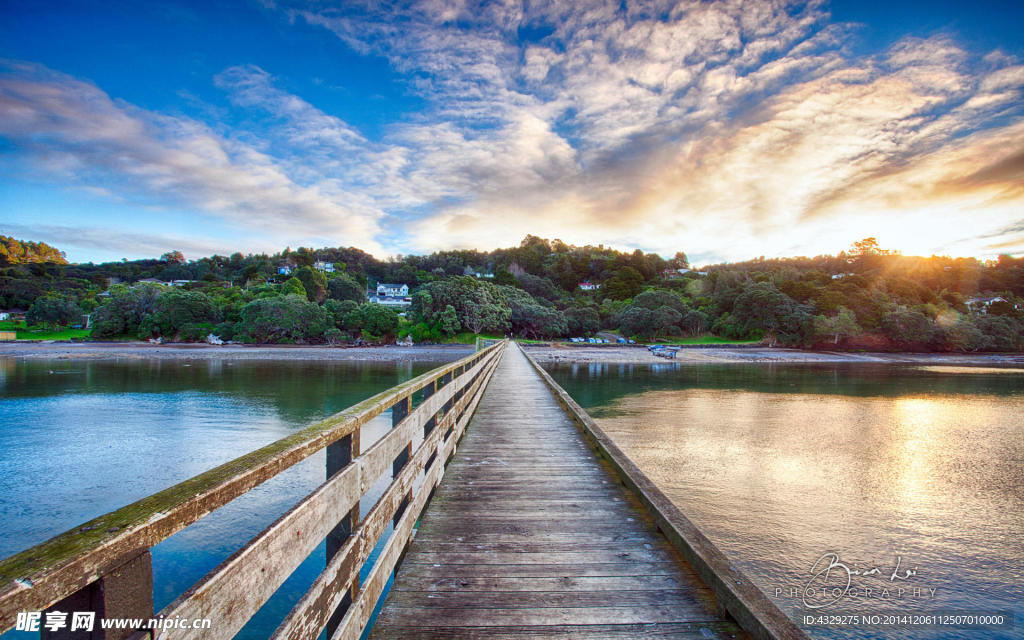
(726, 354)
(543, 353)
(200, 351)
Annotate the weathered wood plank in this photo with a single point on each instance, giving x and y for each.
(487, 556)
(677, 598)
(529, 534)
(667, 631)
(615, 583)
(467, 616)
(433, 571)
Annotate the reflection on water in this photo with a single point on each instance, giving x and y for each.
(884, 466)
(81, 438)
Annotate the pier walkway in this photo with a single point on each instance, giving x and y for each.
(529, 535)
(507, 513)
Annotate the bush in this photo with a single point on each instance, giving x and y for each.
(283, 320)
(196, 331)
(125, 310)
(225, 331)
(175, 309)
(343, 287)
(53, 311)
(375, 320)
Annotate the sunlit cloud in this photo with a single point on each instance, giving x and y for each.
(728, 129)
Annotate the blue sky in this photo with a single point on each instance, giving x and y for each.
(726, 129)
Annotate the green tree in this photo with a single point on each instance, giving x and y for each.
(538, 321)
(583, 320)
(626, 283)
(293, 287)
(965, 336)
(338, 309)
(173, 257)
(842, 325)
(666, 317)
(125, 309)
(374, 319)
(657, 298)
(449, 321)
(14, 251)
(1002, 333)
(639, 322)
(344, 287)
(762, 307)
(174, 309)
(908, 327)
(314, 282)
(696, 322)
(283, 319)
(53, 311)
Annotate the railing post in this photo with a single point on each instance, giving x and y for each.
(339, 454)
(398, 413)
(431, 422)
(446, 379)
(125, 592)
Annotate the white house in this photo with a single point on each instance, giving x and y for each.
(980, 304)
(390, 301)
(392, 290)
(324, 266)
(589, 286)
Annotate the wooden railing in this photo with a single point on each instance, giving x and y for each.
(104, 565)
(748, 605)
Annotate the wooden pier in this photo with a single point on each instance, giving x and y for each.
(530, 536)
(533, 525)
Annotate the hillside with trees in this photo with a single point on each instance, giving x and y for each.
(865, 298)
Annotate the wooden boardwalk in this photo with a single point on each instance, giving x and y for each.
(529, 535)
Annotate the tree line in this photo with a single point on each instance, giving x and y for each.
(864, 298)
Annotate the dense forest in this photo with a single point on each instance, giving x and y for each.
(864, 298)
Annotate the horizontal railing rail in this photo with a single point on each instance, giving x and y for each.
(748, 605)
(104, 564)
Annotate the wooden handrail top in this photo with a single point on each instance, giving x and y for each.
(36, 578)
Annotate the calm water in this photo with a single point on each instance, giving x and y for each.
(79, 439)
(782, 464)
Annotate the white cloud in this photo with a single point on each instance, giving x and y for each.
(76, 132)
(727, 129)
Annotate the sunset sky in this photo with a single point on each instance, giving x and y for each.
(728, 130)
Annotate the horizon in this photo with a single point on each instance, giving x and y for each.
(725, 130)
(315, 251)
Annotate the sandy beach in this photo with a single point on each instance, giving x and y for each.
(638, 354)
(143, 350)
(543, 353)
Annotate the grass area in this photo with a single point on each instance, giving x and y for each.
(39, 333)
(467, 337)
